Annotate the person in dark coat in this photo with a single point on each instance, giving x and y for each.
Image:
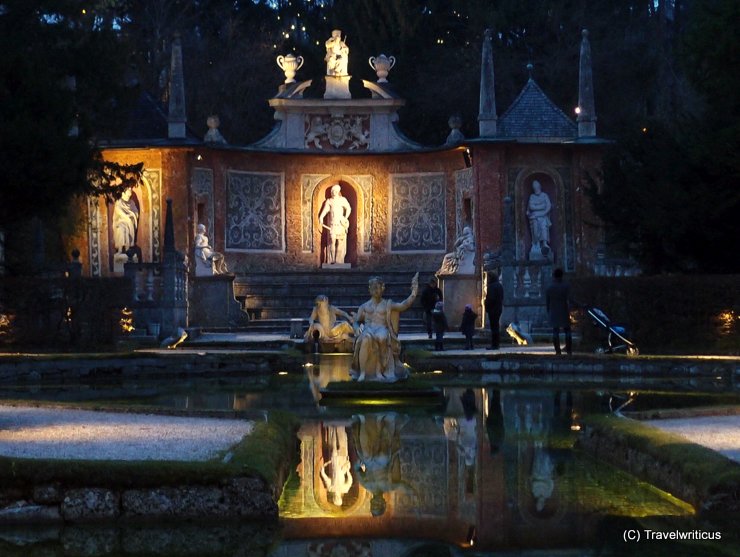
(439, 320)
(494, 304)
(558, 310)
(467, 326)
(429, 298)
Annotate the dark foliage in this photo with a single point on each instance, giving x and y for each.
(665, 314)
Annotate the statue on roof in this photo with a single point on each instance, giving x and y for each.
(337, 54)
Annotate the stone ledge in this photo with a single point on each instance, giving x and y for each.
(241, 497)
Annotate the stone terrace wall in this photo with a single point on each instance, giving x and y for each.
(241, 497)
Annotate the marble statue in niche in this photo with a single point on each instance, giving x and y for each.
(377, 350)
(207, 261)
(125, 227)
(336, 210)
(538, 213)
(125, 222)
(461, 261)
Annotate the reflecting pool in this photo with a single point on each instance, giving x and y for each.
(484, 469)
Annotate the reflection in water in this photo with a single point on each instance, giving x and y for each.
(494, 468)
(378, 443)
(336, 470)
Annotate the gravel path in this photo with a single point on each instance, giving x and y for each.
(720, 433)
(28, 432)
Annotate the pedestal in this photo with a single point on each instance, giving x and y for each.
(337, 87)
(212, 303)
(336, 266)
(457, 291)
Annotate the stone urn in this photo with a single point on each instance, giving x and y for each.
(382, 65)
(290, 65)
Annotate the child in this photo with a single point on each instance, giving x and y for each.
(439, 320)
(467, 326)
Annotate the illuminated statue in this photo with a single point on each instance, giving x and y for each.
(323, 321)
(377, 349)
(538, 213)
(207, 261)
(337, 210)
(337, 54)
(125, 222)
(462, 260)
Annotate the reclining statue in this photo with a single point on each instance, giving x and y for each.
(323, 324)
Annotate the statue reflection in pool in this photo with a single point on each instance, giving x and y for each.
(377, 439)
(377, 349)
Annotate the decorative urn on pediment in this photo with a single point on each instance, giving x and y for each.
(290, 64)
(382, 65)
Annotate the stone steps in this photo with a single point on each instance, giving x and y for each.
(273, 299)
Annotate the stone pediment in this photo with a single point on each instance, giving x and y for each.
(337, 122)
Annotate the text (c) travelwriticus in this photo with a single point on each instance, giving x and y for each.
(636, 535)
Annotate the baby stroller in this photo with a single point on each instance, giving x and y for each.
(616, 339)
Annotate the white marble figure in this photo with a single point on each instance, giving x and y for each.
(337, 54)
(125, 222)
(538, 213)
(462, 260)
(337, 210)
(207, 261)
(377, 350)
(324, 321)
(336, 473)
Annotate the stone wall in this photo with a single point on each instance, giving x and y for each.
(242, 497)
(625, 453)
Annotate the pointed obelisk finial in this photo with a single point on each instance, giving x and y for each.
(586, 109)
(487, 109)
(176, 118)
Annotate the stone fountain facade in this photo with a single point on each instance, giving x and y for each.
(409, 202)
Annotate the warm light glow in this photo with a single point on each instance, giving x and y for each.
(126, 321)
(6, 324)
(725, 320)
(578, 110)
(644, 130)
(199, 157)
(282, 373)
(438, 372)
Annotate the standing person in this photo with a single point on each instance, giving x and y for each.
(557, 309)
(429, 298)
(494, 304)
(440, 325)
(467, 327)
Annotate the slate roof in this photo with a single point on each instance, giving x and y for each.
(534, 117)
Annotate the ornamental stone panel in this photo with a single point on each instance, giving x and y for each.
(255, 219)
(417, 208)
